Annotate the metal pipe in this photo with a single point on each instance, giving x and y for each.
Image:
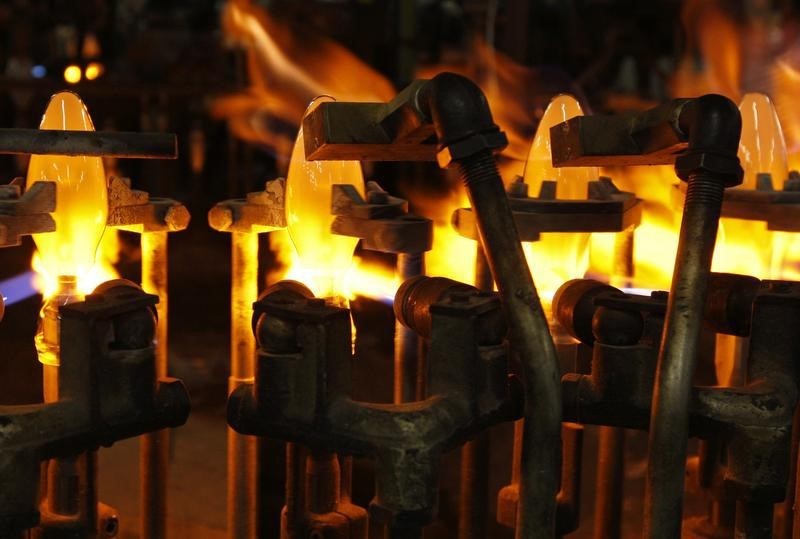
(295, 493)
(753, 520)
(713, 124)
(610, 479)
(406, 342)
(530, 337)
(98, 143)
(242, 450)
(154, 446)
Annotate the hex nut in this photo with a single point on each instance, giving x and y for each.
(720, 164)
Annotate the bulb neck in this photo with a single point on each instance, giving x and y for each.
(48, 338)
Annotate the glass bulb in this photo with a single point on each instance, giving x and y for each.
(67, 255)
(762, 148)
(557, 257)
(572, 183)
(81, 195)
(326, 257)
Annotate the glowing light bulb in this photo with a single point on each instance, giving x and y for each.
(67, 255)
(762, 148)
(557, 257)
(325, 257)
(72, 74)
(572, 183)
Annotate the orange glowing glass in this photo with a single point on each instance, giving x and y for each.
(762, 148)
(325, 256)
(557, 257)
(81, 199)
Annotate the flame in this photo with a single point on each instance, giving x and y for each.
(557, 257)
(81, 204)
(325, 257)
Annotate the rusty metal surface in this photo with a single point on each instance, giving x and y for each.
(137, 211)
(260, 211)
(23, 214)
(96, 143)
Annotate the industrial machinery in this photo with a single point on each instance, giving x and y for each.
(104, 377)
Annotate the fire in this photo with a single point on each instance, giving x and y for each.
(557, 257)
(82, 206)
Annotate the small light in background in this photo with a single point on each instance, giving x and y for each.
(94, 70)
(38, 71)
(72, 74)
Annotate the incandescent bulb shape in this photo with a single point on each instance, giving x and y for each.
(326, 257)
(762, 148)
(81, 195)
(557, 257)
(572, 183)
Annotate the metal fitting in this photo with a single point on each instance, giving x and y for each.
(722, 165)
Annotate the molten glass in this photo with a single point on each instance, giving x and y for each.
(66, 256)
(557, 257)
(762, 148)
(325, 257)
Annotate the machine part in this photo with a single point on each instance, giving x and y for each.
(93, 143)
(466, 138)
(383, 223)
(713, 124)
(606, 210)
(107, 391)
(260, 211)
(22, 214)
(154, 448)
(752, 422)
(413, 300)
(610, 479)
(408, 372)
(242, 450)
(136, 211)
(653, 137)
(468, 391)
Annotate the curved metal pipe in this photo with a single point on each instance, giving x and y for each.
(467, 137)
(713, 126)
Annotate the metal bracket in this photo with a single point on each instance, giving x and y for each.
(382, 221)
(606, 210)
(137, 211)
(260, 211)
(22, 214)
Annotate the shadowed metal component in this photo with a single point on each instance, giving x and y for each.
(466, 139)
(118, 144)
(23, 214)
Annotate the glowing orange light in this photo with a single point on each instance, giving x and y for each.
(81, 201)
(94, 70)
(557, 257)
(325, 257)
(72, 74)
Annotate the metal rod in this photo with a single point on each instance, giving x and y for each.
(242, 450)
(97, 143)
(610, 479)
(406, 341)
(753, 520)
(154, 446)
(531, 339)
(787, 507)
(473, 494)
(669, 421)
(295, 492)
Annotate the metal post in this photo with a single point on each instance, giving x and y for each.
(473, 494)
(610, 477)
(154, 446)
(406, 342)
(242, 450)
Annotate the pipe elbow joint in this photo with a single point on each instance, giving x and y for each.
(461, 117)
(713, 125)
